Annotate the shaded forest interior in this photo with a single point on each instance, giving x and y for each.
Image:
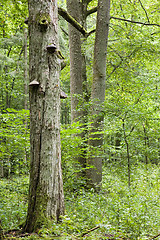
(106, 100)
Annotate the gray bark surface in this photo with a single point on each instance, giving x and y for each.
(98, 89)
(46, 200)
(76, 81)
(77, 72)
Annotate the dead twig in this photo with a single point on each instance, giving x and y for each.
(154, 237)
(88, 231)
(132, 21)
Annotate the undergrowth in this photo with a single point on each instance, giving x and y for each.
(117, 212)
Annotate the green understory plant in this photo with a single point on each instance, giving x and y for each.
(130, 213)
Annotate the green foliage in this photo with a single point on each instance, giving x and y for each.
(70, 145)
(14, 142)
(13, 201)
(131, 120)
(132, 212)
(12, 16)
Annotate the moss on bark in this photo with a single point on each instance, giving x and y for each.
(43, 19)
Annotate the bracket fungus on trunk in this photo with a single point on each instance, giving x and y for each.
(26, 21)
(34, 83)
(63, 95)
(51, 48)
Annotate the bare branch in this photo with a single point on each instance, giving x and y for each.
(63, 64)
(144, 10)
(88, 1)
(123, 13)
(88, 231)
(155, 33)
(132, 21)
(116, 53)
(92, 31)
(90, 11)
(66, 33)
(121, 61)
(63, 13)
(114, 69)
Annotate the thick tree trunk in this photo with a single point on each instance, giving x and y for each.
(98, 90)
(46, 200)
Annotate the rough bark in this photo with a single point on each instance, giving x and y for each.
(25, 69)
(72, 20)
(76, 83)
(25, 84)
(46, 200)
(98, 90)
(77, 72)
(78, 76)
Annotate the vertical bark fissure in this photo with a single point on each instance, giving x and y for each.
(40, 148)
(38, 173)
(45, 125)
(37, 158)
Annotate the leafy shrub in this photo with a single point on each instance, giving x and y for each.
(14, 142)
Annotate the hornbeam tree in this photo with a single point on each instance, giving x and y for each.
(98, 90)
(77, 14)
(77, 68)
(46, 199)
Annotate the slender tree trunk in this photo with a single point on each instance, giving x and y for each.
(128, 154)
(146, 144)
(77, 72)
(25, 69)
(117, 143)
(1, 168)
(25, 84)
(98, 90)
(76, 81)
(46, 200)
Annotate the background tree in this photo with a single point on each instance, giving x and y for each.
(74, 8)
(126, 32)
(78, 85)
(131, 124)
(98, 89)
(129, 78)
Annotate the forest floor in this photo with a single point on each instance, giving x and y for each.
(116, 212)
